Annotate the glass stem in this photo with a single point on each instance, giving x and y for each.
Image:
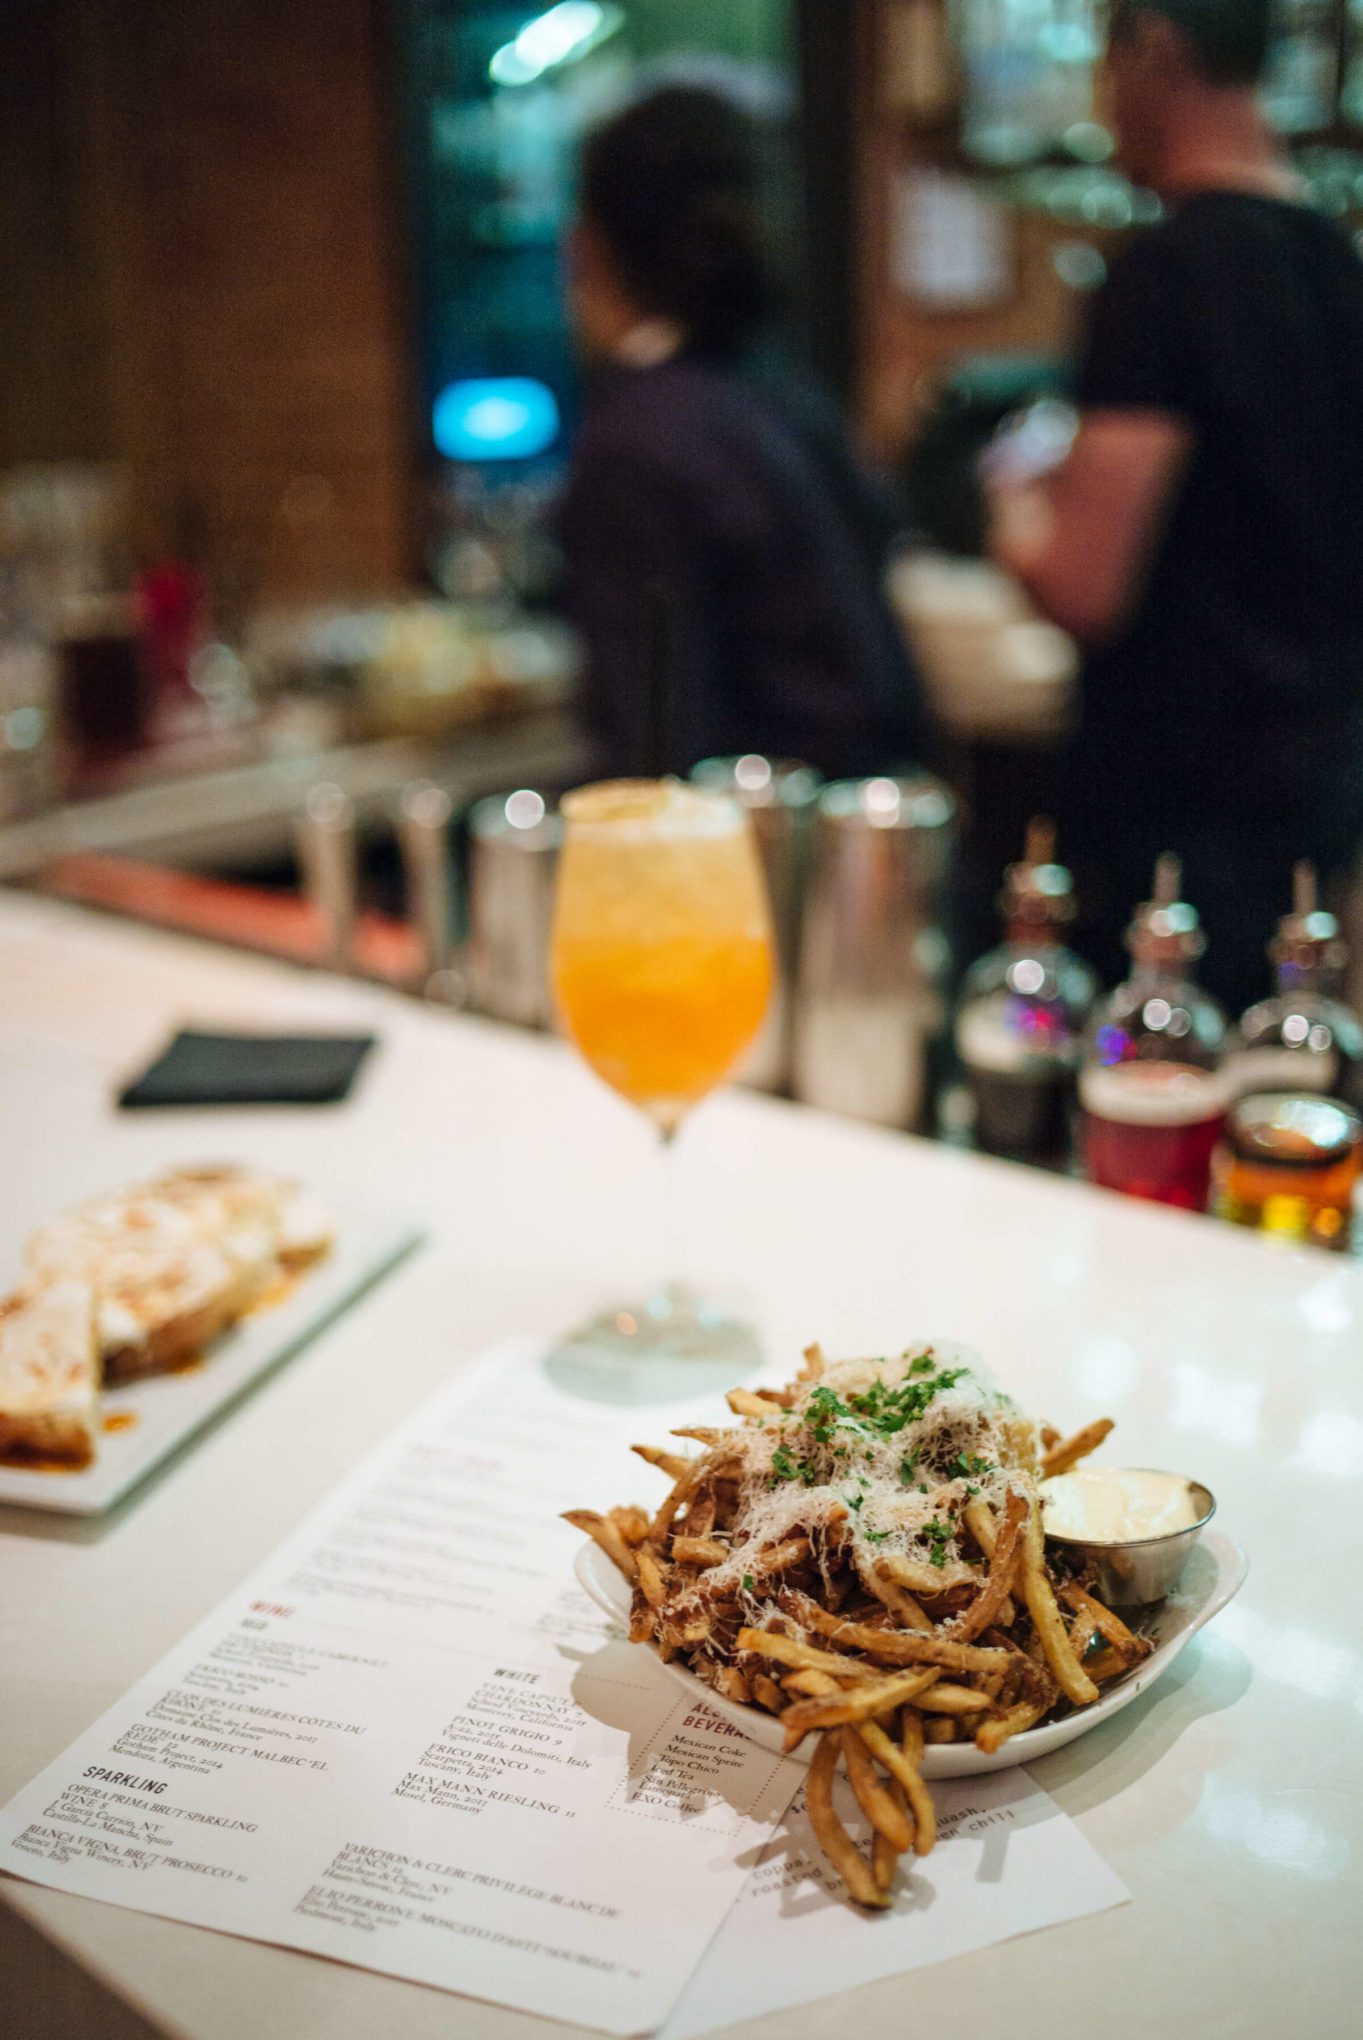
(672, 1284)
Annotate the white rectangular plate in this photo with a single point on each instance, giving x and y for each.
(170, 1408)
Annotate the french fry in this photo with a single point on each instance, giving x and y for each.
(1073, 1680)
(1002, 1562)
(1069, 1451)
(979, 1521)
(700, 1513)
(703, 1551)
(674, 1464)
(768, 1694)
(940, 1728)
(859, 1703)
(903, 1762)
(896, 1646)
(991, 1735)
(681, 1492)
(763, 1565)
(884, 1855)
(651, 1583)
(607, 1535)
(905, 1572)
(875, 1800)
(1105, 1664)
(812, 1367)
(833, 1837)
(788, 1650)
(811, 1683)
(897, 1599)
(745, 1402)
(1129, 1647)
(949, 1699)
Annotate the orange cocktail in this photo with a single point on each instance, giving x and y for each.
(662, 948)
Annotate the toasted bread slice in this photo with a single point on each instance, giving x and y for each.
(307, 1229)
(49, 1374)
(169, 1274)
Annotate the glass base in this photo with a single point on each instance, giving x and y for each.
(673, 1343)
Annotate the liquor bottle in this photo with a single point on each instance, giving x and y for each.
(1152, 1087)
(1304, 1038)
(1289, 1165)
(1020, 1025)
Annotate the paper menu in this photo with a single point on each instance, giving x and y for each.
(403, 1743)
(1008, 1862)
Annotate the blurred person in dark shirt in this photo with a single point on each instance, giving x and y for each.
(695, 478)
(1204, 538)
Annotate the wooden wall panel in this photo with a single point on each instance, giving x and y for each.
(246, 260)
(54, 394)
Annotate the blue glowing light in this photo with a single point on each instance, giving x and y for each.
(508, 417)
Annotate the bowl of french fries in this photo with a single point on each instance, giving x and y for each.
(856, 1573)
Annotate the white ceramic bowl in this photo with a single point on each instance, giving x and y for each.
(1215, 1573)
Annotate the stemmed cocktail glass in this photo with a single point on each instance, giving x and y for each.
(662, 970)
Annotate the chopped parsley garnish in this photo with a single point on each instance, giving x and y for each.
(747, 1583)
(849, 1428)
(874, 1536)
(939, 1535)
(824, 1411)
(854, 1501)
(886, 1411)
(783, 1467)
(967, 1465)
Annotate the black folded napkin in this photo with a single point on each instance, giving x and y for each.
(251, 1069)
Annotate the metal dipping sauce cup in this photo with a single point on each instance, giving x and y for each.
(1136, 1571)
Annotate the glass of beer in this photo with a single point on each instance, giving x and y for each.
(661, 966)
(1150, 1129)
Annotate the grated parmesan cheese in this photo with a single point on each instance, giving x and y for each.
(889, 1451)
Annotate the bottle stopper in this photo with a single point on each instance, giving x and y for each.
(1308, 939)
(1038, 893)
(1166, 930)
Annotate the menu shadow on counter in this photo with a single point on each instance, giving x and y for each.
(1210, 1676)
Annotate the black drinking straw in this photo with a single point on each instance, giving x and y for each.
(660, 674)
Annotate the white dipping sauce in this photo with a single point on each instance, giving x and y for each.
(1116, 1505)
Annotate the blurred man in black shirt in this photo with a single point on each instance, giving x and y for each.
(1204, 540)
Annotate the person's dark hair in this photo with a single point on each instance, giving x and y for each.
(1229, 38)
(672, 185)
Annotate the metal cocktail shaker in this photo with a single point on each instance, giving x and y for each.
(779, 795)
(873, 957)
(329, 861)
(513, 855)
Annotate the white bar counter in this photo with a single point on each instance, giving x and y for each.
(1229, 1798)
